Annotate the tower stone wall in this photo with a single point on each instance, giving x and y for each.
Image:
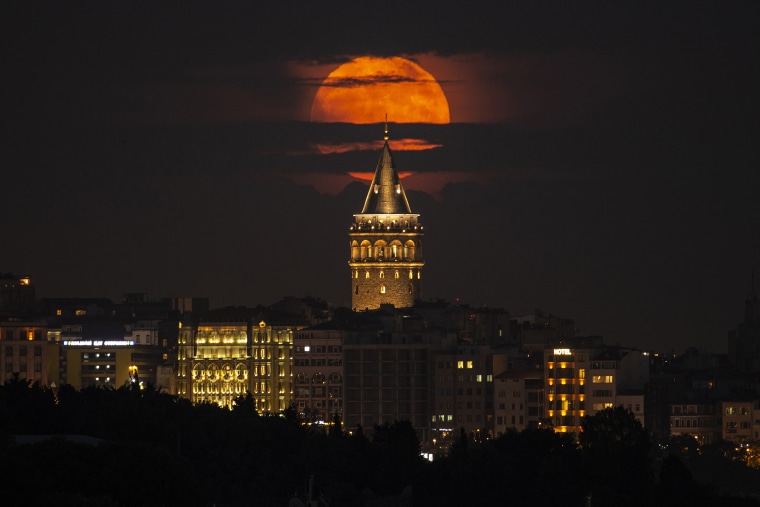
(386, 244)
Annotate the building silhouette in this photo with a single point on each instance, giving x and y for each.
(744, 341)
(16, 295)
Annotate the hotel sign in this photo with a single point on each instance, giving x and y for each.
(563, 352)
(98, 343)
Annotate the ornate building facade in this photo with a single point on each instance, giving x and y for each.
(386, 243)
(220, 361)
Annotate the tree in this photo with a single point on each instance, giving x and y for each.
(615, 451)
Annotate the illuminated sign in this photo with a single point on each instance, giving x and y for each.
(98, 343)
(562, 352)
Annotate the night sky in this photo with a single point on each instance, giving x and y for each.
(601, 162)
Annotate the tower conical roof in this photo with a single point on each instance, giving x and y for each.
(386, 195)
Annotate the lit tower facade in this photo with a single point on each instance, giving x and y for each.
(386, 243)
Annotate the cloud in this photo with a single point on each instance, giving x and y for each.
(346, 147)
(358, 81)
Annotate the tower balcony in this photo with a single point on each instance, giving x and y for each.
(393, 227)
(400, 222)
(386, 260)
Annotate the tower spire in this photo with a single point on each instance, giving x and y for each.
(385, 137)
(386, 194)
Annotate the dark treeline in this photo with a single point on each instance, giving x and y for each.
(153, 449)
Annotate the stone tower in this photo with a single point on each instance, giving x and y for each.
(386, 243)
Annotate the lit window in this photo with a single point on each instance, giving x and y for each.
(395, 275)
(460, 364)
(382, 289)
(469, 364)
(366, 274)
(382, 274)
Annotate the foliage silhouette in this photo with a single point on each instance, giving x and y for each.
(203, 454)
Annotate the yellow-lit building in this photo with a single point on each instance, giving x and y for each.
(584, 380)
(105, 353)
(220, 361)
(386, 243)
(565, 372)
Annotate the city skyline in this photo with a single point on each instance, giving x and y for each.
(599, 164)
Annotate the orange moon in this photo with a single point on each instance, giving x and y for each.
(366, 88)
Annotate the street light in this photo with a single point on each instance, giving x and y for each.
(133, 377)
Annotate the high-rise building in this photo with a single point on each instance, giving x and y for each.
(463, 391)
(386, 243)
(318, 373)
(389, 379)
(583, 377)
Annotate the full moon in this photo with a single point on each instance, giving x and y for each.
(366, 88)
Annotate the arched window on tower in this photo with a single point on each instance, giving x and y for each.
(409, 250)
(382, 274)
(411, 289)
(380, 248)
(382, 289)
(411, 275)
(365, 250)
(395, 275)
(396, 249)
(366, 274)
(357, 290)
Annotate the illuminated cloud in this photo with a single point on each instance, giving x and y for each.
(358, 81)
(337, 148)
